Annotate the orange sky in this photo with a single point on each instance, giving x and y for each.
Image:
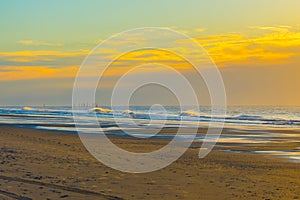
(275, 45)
(255, 44)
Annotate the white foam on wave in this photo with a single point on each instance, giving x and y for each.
(100, 110)
(130, 113)
(190, 113)
(27, 108)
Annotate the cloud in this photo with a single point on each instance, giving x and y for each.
(276, 46)
(38, 43)
(279, 45)
(9, 73)
(272, 28)
(43, 53)
(199, 30)
(34, 56)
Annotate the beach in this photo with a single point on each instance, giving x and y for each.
(41, 164)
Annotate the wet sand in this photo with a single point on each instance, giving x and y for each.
(37, 164)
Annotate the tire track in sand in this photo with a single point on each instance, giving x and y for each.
(53, 186)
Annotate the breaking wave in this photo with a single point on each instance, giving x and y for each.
(100, 110)
(242, 117)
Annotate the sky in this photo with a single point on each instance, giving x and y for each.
(255, 44)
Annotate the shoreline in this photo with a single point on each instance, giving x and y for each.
(37, 164)
(284, 142)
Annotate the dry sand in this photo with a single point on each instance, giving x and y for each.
(38, 164)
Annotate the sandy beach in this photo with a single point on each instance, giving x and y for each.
(150, 100)
(38, 164)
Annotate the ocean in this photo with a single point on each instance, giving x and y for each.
(255, 127)
(240, 117)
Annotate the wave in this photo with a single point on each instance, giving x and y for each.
(27, 108)
(242, 118)
(248, 117)
(129, 113)
(189, 113)
(101, 110)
